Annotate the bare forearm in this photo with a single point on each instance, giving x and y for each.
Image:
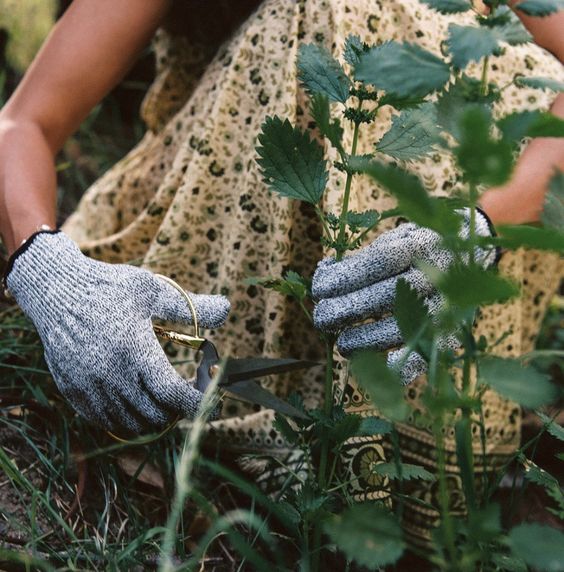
(27, 182)
(521, 199)
(86, 54)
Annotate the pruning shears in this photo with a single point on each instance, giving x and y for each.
(237, 374)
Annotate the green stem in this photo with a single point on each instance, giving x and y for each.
(322, 475)
(438, 424)
(327, 406)
(348, 183)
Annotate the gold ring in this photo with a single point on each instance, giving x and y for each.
(193, 341)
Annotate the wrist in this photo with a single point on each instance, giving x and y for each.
(20, 250)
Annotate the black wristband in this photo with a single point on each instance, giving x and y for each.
(19, 251)
(498, 250)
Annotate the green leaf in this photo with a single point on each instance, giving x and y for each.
(374, 426)
(465, 458)
(282, 425)
(526, 236)
(292, 285)
(470, 43)
(545, 480)
(321, 114)
(448, 6)
(365, 219)
(354, 47)
(508, 563)
(539, 83)
(540, 7)
(414, 133)
(343, 429)
(551, 426)
(540, 546)
(400, 103)
(521, 124)
(406, 70)
(291, 162)
(410, 313)
(463, 93)
(484, 523)
(513, 33)
(468, 285)
(382, 383)
(552, 215)
(321, 73)
(523, 384)
(413, 200)
(408, 472)
(367, 534)
(483, 159)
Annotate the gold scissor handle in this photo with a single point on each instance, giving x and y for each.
(194, 341)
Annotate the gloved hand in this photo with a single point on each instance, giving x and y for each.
(363, 286)
(94, 320)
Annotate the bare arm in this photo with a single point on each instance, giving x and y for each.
(521, 199)
(86, 54)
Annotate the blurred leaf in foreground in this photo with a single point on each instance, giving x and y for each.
(367, 534)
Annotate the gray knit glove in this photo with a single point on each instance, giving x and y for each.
(94, 320)
(362, 286)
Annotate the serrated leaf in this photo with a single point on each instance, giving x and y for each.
(551, 426)
(539, 546)
(374, 426)
(521, 124)
(469, 285)
(449, 6)
(413, 200)
(523, 384)
(291, 163)
(526, 236)
(539, 83)
(321, 73)
(406, 70)
(292, 285)
(540, 7)
(282, 425)
(414, 134)
(464, 92)
(483, 159)
(381, 382)
(544, 479)
(354, 47)
(321, 114)
(359, 220)
(345, 428)
(367, 534)
(513, 33)
(470, 44)
(552, 215)
(408, 472)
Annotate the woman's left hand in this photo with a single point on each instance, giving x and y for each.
(362, 287)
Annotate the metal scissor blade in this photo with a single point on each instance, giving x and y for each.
(250, 390)
(248, 368)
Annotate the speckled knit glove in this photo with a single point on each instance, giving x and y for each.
(363, 286)
(94, 320)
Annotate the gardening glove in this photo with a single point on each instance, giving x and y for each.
(363, 286)
(94, 320)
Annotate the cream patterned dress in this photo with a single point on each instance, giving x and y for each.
(188, 202)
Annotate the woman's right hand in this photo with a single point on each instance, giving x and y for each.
(94, 320)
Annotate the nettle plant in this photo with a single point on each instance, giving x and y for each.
(437, 106)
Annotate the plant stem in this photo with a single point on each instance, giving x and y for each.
(437, 382)
(348, 183)
(327, 406)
